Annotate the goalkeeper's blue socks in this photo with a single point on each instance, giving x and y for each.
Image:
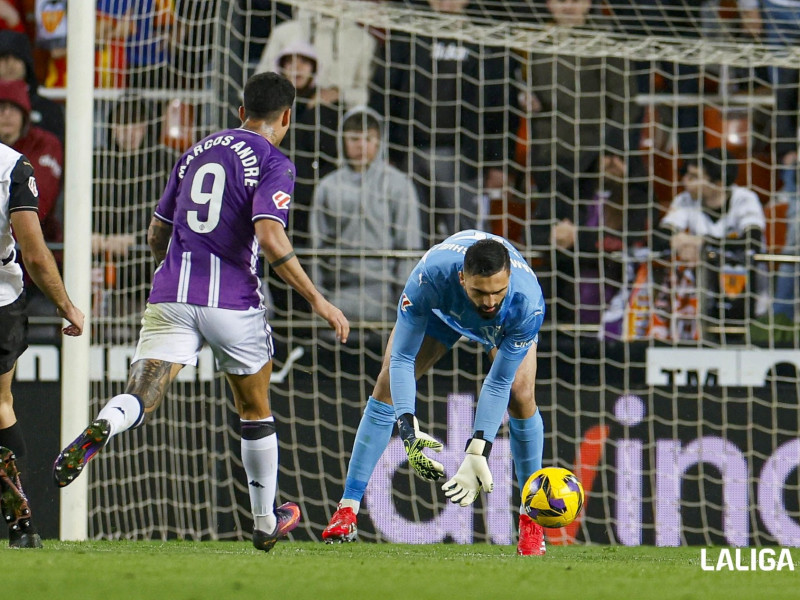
(122, 412)
(372, 437)
(527, 445)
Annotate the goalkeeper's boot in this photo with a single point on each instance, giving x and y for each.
(343, 526)
(531, 537)
(14, 504)
(288, 516)
(72, 459)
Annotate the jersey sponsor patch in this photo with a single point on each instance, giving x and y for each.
(405, 303)
(281, 200)
(32, 187)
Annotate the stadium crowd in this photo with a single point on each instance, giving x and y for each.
(515, 142)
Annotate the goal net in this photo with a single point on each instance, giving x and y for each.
(670, 389)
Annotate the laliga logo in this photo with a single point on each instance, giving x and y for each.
(281, 199)
(760, 560)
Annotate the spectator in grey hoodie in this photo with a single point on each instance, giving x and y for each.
(366, 206)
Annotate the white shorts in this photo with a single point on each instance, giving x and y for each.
(175, 332)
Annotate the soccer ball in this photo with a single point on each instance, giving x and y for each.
(552, 497)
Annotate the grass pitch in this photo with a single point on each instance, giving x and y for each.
(306, 570)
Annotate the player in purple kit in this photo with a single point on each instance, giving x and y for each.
(226, 196)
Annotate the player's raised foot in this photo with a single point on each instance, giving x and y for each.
(288, 516)
(73, 458)
(343, 526)
(531, 537)
(14, 505)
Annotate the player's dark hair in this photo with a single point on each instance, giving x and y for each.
(718, 167)
(361, 121)
(267, 95)
(486, 257)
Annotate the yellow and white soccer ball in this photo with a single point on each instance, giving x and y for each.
(553, 497)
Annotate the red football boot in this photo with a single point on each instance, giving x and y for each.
(531, 537)
(343, 526)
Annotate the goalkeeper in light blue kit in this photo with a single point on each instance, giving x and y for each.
(476, 285)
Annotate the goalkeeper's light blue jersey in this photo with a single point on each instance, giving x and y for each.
(434, 291)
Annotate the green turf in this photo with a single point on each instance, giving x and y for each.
(300, 570)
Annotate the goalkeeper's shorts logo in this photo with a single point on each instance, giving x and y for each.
(405, 302)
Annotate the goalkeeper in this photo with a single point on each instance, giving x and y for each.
(475, 285)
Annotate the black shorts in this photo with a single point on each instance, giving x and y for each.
(13, 333)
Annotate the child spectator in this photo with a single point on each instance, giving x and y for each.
(365, 204)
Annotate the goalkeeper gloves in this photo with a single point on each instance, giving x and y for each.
(472, 475)
(414, 441)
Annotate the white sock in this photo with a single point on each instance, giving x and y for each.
(123, 412)
(260, 459)
(265, 523)
(347, 502)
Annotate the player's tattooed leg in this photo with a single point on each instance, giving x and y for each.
(149, 380)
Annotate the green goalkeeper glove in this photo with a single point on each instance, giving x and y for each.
(472, 475)
(414, 441)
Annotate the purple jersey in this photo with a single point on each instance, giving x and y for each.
(216, 191)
